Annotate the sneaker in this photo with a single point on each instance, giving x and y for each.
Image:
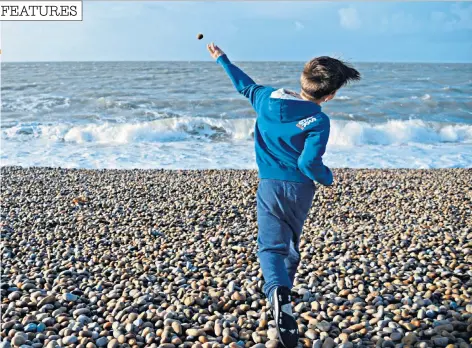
(287, 327)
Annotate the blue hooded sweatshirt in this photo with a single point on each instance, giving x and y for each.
(290, 133)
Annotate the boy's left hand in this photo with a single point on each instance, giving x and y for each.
(215, 51)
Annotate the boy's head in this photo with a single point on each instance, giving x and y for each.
(323, 76)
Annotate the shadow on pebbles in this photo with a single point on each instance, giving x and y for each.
(141, 258)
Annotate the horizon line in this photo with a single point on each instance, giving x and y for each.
(236, 61)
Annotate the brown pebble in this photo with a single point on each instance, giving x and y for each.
(227, 339)
(306, 342)
(344, 337)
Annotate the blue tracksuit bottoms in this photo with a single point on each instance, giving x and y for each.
(282, 207)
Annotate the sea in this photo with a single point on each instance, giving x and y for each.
(187, 115)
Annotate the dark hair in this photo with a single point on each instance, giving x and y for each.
(323, 76)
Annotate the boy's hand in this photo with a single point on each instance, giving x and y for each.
(215, 51)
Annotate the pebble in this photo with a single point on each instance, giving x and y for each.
(323, 326)
(328, 343)
(256, 337)
(272, 334)
(46, 300)
(396, 336)
(440, 341)
(227, 339)
(101, 342)
(31, 327)
(70, 340)
(41, 327)
(311, 334)
(177, 327)
(238, 297)
(70, 297)
(113, 343)
(421, 314)
(345, 345)
(410, 338)
(195, 332)
(18, 340)
(16, 295)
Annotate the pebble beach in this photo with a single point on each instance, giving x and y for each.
(167, 258)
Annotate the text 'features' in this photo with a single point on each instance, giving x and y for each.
(42, 10)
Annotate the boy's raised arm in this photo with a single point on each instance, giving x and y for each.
(241, 81)
(310, 161)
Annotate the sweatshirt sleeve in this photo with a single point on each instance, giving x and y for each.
(242, 82)
(310, 162)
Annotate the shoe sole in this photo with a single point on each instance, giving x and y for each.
(277, 311)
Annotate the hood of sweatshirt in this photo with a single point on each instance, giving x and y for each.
(291, 106)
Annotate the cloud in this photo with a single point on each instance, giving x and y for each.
(299, 26)
(458, 18)
(401, 23)
(349, 18)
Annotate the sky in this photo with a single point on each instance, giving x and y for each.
(249, 31)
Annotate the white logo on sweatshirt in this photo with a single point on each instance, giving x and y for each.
(307, 121)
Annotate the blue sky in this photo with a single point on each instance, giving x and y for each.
(356, 31)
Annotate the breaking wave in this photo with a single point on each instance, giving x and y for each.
(343, 133)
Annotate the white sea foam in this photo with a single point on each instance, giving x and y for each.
(163, 130)
(426, 97)
(343, 133)
(398, 132)
(222, 143)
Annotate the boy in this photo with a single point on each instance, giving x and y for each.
(290, 137)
